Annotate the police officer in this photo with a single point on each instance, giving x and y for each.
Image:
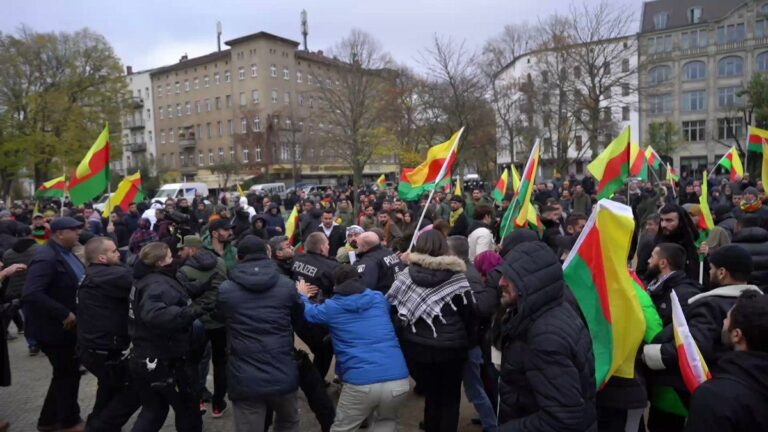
(314, 266)
(376, 264)
(102, 334)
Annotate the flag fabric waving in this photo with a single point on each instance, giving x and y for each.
(380, 182)
(732, 162)
(706, 222)
(518, 214)
(430, 173)
(92, 174)
(654, 161)
(756, 140)
(501, 186)
(408, 192)
(240, 191)
(612, 166)
(639, 165)
(458, 191)
(128, 191)
(672, 175)
(515, 179)
(692, 365)
(596, 271)
(55, 188)
(292, 225)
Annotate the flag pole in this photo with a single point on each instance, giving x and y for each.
(66, 189)
(443, 169)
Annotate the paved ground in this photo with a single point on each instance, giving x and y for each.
(20, 404)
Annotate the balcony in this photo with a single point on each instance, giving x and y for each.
(132, 123)
(136, 146)
(136, 102)
(187, 141)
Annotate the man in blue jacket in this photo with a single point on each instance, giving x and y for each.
(50, 304)
(368, 356)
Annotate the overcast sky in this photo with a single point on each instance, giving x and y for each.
(152, 33)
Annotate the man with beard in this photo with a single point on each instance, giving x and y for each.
(675, 227)
(131, 219)
(665, 271)
(219, 241)
(458, 220)
(736, 398)
(332, 231)
(342, 255)
(282, 255)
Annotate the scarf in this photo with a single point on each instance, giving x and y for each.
(414, 302)
(750, 207)
(455, 216)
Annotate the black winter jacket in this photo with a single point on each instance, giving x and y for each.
(103, 304)
(378, 267)
(21, 253)
(161, 314)
(547, 370)
(735, 399)
(461, 227)
(755, 241)
(682, 285)
(316, 269)
(259, 307)
(336, 240)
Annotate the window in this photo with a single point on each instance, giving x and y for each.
(694, 15)
(207, 105)
(232, 153)
(197, 106)
(625, 65)
(728, 97)
(197, 83)
(188, 107)
(730, 33)
(254, 71)
(160, 91)
(311, 101)
(241, 73)
(230, 127)
(242, 99)
(274, 96)
(173, 160)
(200, 158)
(161, 113)
(229, 101)
(198, 131)
(221, 154)
(209, 132)
(625, 113)
(255, 96)
(660, 20)
(162, 136)
(257, 153)
(220, 127)
(218, 102)
(285, 152)
(211, 160)
(693, 39)
(659, 44)
(243, 125)
(178, 87)
(273, 71)
(182, 159)
(730, 128)
(287, 98)
(660, 104)
(206, 81)
(695, 101)
(286, 74)
(245, 153)
(660, 74)
(257, 123)
(171, 136)
(301, 100)
(186, 85)
(178, 110)
(761, 27)
(624, 89)
(309, 79)
(169, 109)
(227, 76)
(693, 131)
(298, 76)
(216, 78)
(761, 62)
(694, 70)
(730, 66)
(168, 89)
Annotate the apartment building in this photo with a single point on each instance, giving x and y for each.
(251, 105)
(138, 137)
(696, 57)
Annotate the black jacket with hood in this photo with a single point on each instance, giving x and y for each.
(102, 311)
(547, 366)
(682, 285)
(22, 252)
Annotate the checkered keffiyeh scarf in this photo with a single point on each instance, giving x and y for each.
(414, 302)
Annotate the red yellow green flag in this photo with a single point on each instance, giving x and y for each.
(501, 186)
(292, 225)
(693, 368)
(672, 175)
(756, 139)
(612, 166)
(764, 170)
(515, 179)
(596, 271)
(414, 182)
(639, 165)
(705, 220)
(654, 161)
(521, 211)
(128, 191)
(55, 188)
(92, 174)
(380, 182)
(732, 162)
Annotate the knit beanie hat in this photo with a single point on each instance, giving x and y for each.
(733, 258)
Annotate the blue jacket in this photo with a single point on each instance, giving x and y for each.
(274, 221)
(364, 340)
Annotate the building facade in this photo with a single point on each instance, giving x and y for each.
(696, 57)
(137, 135)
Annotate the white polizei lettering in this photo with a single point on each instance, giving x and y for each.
(304, 269)
(391, 260)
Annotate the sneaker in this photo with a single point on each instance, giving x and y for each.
(218, 411)
(207, 395)
(203, 408)
(33, 351)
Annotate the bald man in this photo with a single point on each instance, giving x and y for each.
(376, 264)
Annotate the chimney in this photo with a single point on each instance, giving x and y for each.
(218, 35)
(128, 70)
(184, 58)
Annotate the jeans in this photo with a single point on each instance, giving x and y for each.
(475, 391)
(60, 406)
(250, 414)
(440, 382)
(357, 402)
(116, 399)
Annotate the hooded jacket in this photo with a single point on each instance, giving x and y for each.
(274, 221)
(547, 366)
(202, 275)
(103, 304)
(364, 341)
(755, 241)
(735, 399)
(259, 306)
(21, 253)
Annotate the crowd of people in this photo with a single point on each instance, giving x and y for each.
(149, 300)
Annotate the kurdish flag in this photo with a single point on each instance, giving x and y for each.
(380, 182)
(706, 223)
(612, 166)
(654, 161)
(756, 140)
(639, 165)
(501, 186)
(672, 175)
(292, 225)
(55, 188)
(430, 173)
(520, 212)
(515, 179)
(92, 174)
(732, 163)
(597, 274)
(692, 365)
(128, 191)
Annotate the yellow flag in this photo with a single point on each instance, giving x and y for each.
(239, 189)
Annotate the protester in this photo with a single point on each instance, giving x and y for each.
(750, 235)
(666, 271)
(22, 252)
(676, 227)
(480, 232)
(143, 236)
(458, 220)
(334, 232)
(282, 255)
(219, 241)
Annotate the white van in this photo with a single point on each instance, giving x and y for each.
(178, 190)
(269, 189)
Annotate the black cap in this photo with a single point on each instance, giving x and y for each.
(458, 199)
(734, 258)
(219, 224)
(63, 223)
(251, 245)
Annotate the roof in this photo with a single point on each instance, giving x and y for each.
(711, 10)
(306, 55)
(196, 61)
(258, 35)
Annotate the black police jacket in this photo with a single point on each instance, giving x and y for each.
(103, 303)
(378, 267)
(315, 269)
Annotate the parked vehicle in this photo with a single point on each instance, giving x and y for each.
(178, 190)
(270, 189)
